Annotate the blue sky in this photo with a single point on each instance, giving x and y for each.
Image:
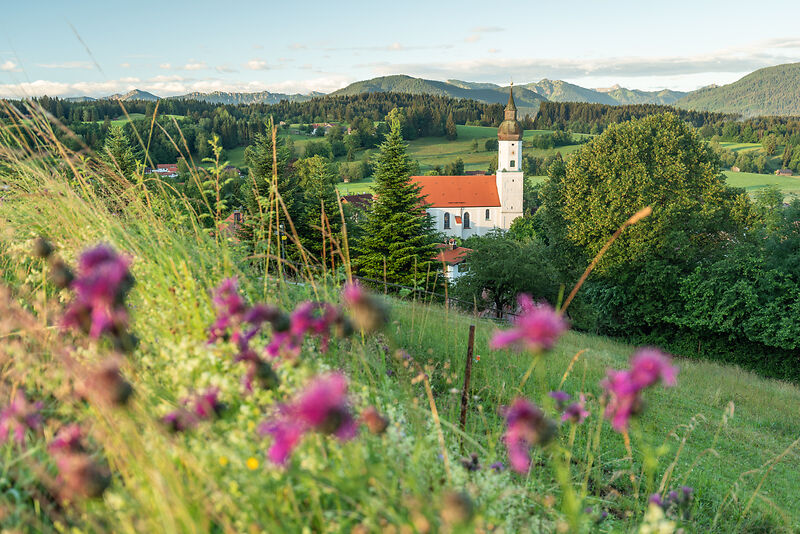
(89, 47)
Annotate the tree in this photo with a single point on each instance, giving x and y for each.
(451, 132)
(317, 177)
(398, 239)
(499, 268)
(117, 152)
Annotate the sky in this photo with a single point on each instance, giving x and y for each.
(170, 47)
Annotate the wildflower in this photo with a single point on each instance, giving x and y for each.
(367, 312)
(286, 434)
(657, 500)
(560, 397)
(60, 274)
(18, 417)
(624, 387)
(537, 328)
(576, 412)
(178, 421)
(230, 308)
(258, 371)
(322, 407)
(497, 466)
(207, 404)
(101, 286)
(375, 422)
(252, 463)
(107, 385)
(68, 440)
(42, 248)
(81, 477)
(526, 426)
(470, 463)
(223, 461)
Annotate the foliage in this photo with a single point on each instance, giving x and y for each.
(397, 243)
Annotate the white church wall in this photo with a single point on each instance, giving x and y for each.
(479, 224)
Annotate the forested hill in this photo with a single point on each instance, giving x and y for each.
(527, 101)
(769, 91)
(561, 91)
(262, 97)
(624, 96)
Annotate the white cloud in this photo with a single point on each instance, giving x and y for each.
(225, 68)
(256, 64)
(125, 65)
(66, 65)
(195, 65)
(472, 38)
(494, 50)
(9, 66)
(165, 66)
(297, 46)
(486, 29)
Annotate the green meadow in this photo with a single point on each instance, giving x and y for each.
(753, 182)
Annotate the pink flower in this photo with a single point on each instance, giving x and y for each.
(69, 440)
(623, 388)
(322, 407)
(101, 286)
(526, 426)
(536, 328)
(207, 404)
(368, 314)
(19, 417)
(648, 365)
(576, 412)
(230, 308)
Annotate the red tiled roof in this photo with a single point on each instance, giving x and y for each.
(361, 201)
(459, 191)
(168, 166)
(451, 255)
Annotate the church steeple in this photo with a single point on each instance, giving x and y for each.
(511, 108)
(510, 129)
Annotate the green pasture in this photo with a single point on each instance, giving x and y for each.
(740, 147)
(753, 182)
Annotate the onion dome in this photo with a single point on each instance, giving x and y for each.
(510, 129)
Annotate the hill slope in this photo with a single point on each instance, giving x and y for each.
(768, 91)
(561, 91)
(623, 96)
(262, 97)
(527, 101)
(134, 94)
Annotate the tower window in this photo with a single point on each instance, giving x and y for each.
(446, 221)
(466, 220)
(487, 214)
(511, 163)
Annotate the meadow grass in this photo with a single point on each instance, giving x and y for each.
(752, 182)
(738, 438)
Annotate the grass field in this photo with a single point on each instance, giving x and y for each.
(740, 147)
(122, 119)
(727, 433)
(753, 182)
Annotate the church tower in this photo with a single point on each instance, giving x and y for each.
(509, 164)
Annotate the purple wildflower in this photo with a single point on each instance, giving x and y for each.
(576, 412)
(69, 440)
(179, 420)
(497, 466)
(18, 417)
(368, 313)
(560, 397)
(322, 407)
(537, 328)
(207, 404)
(624, 387)
(657, 500)
(526, 426)
(102, 282)
(230, 308)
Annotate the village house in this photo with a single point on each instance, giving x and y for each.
(463, 206)
(452, 258)
(783, 172)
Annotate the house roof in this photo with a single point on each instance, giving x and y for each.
(360, 201)
(451, 255)
(459, 191)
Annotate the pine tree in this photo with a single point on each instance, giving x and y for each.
(398, 232)
(317, 178)
(451, 132)
(117, 152)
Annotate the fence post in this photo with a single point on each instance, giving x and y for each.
(467, 373)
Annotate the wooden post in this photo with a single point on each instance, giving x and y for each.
(467, 373)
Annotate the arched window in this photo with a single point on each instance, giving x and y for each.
(466, 220)
(487, 214)
(446, 221)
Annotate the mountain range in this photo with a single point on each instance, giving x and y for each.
(768, 91)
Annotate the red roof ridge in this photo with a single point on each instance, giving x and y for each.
(464, 191)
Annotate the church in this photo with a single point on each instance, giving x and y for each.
(463, 206)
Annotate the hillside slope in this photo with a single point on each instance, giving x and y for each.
(527, 101)
(261, 97)
(134, 94)
(623, 96)
(768, 91)
(561, 91)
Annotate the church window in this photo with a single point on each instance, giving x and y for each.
(446, 221)
(487, 214)
(511, 163)
(466, 220)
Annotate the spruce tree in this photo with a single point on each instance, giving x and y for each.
(317, 178)
(451, 132)
(398, 236)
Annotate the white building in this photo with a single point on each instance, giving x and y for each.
(463, 206)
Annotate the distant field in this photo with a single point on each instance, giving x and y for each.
(134, 116)
(740, 147)
(753, 182)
